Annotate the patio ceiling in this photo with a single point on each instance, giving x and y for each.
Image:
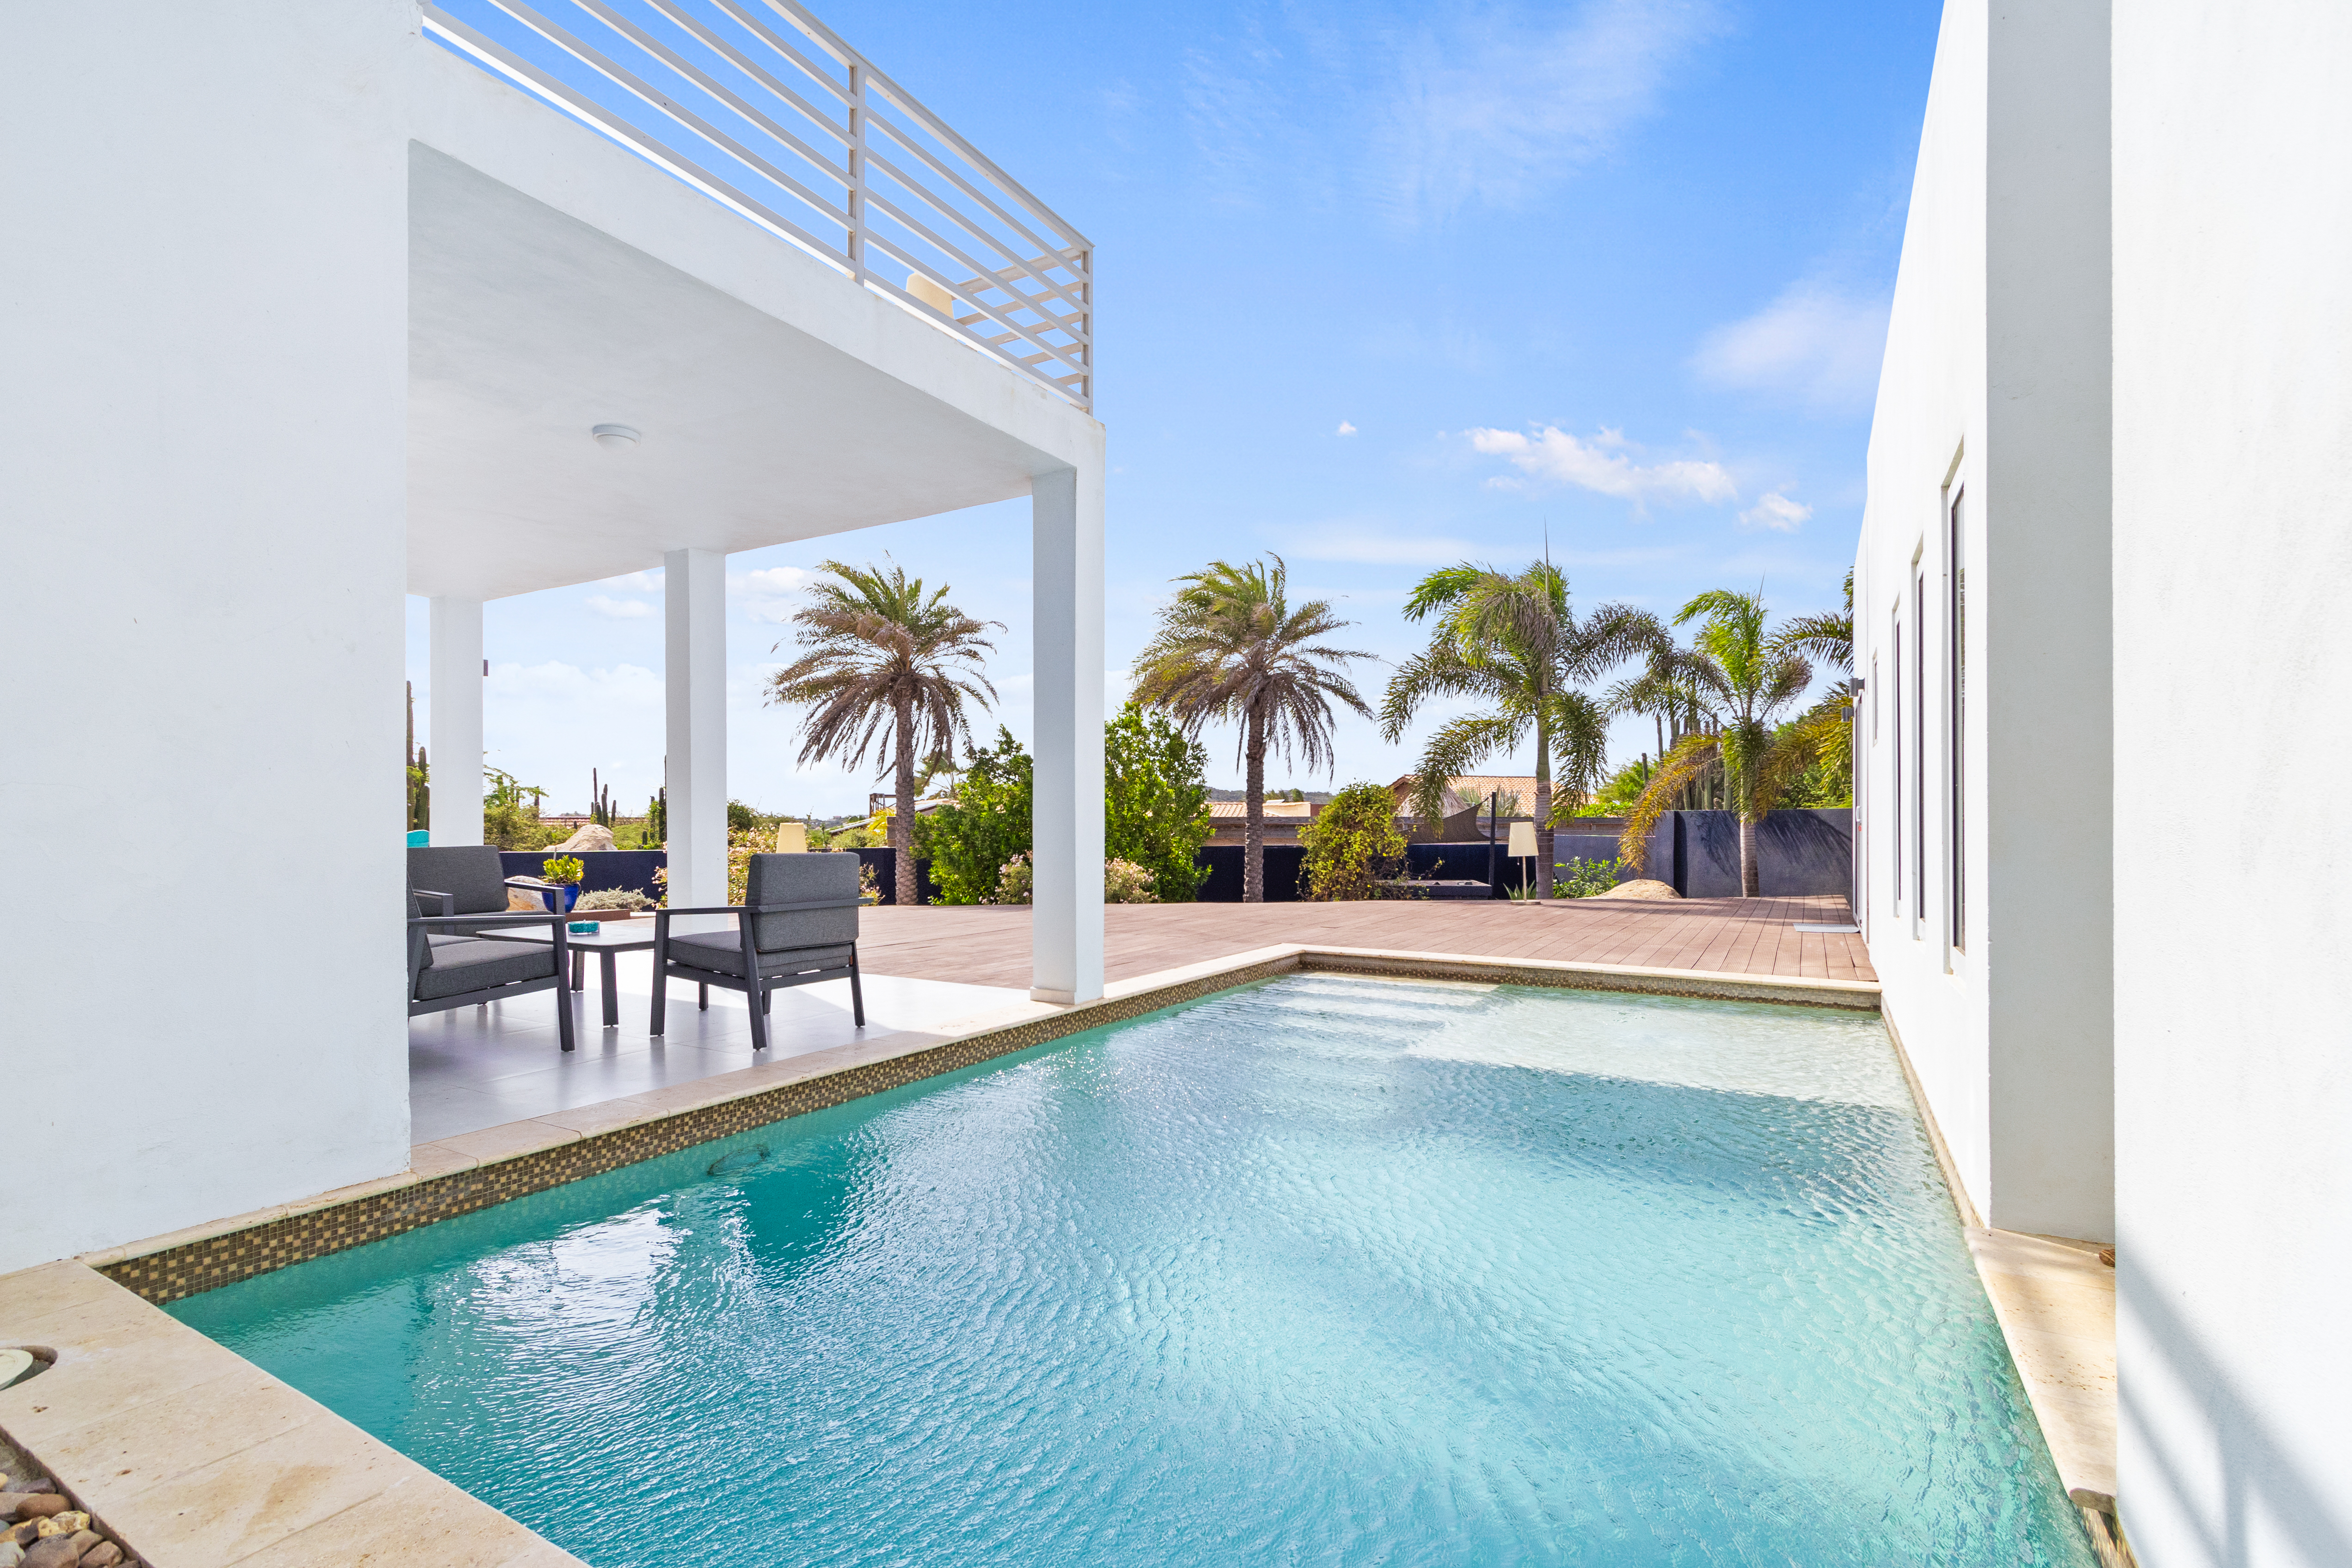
(527, 327)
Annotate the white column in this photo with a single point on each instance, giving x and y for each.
(454, 734)
(1067, 825)
(694, 605)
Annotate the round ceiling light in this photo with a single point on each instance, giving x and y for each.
(614, 438)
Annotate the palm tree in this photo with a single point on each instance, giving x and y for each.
(1230, 647)
(1828, 638)
(876, 651)
(1512, 642)
(1742, 678)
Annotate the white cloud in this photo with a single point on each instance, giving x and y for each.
(1774, 510)
(1346, 428)
(1605, 465)
(1815, 342)
(770, 593)
(619, 609)
(635, 582)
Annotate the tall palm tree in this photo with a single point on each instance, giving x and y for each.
(1743, 678)
(884, 668)
(1514, 643)
(1229, 648)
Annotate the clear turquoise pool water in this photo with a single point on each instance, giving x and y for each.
(1319, 1271)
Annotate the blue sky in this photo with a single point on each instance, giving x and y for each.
(1381, 288)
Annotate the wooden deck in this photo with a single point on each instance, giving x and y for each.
(989, 945)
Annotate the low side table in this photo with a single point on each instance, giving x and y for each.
(612, 937)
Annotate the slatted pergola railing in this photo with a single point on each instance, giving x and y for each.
(765, 109)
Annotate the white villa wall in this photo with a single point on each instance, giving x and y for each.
(2231, 553)
(201, 437)
(1994, 387)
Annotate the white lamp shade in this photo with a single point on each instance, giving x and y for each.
(1523, 839)
(792, 839)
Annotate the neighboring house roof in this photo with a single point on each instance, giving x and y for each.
(1472, 789)
(1275, 810)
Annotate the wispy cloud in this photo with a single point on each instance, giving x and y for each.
(1775, 509)
(619, 609)
(1501, 106)
(1383, 107)
(1815, 342)
(635, 582)
(1604, 465)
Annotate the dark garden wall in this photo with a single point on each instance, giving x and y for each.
(1796, 852)
(631, 868)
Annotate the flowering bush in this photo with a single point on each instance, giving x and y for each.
(1012, 881)
(1125, 883)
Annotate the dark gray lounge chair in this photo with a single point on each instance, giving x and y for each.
(458, 889)
(798, 925)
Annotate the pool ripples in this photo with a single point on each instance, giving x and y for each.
(1324, 1270)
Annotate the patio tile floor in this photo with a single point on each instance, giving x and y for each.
(479, 1068)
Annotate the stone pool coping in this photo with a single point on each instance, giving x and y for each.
(194, 1457)
(197, 1458)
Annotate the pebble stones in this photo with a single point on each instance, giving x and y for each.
(48, 1532)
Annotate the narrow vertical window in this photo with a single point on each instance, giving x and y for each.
(1919, 753)
(1959, 618)
(1895, 761)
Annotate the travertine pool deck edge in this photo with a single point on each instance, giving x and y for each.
(194, 1457)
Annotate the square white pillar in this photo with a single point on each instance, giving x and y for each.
(454, 733)
(1066, 820)
(694, 607)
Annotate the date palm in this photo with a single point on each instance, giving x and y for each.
(1742, 678)
(1513, 644)
(1230, 648)
(883, 668)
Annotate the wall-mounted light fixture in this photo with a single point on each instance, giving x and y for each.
(614, 438)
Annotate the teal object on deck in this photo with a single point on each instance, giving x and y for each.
(1318, 1271)
(420, 838)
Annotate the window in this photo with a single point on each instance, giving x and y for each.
(1918, 752)
(1895, 760)
(1957, 616)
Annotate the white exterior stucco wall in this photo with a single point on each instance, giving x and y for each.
(2232, 554)
(201, 437)
(1994, 388)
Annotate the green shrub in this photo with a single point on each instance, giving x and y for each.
(969, 838)
(1125, 883)
(1353, 846)
(1582, 878)
(563, 869)
(1155, 802)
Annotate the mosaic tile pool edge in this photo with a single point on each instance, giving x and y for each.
(192, 1267)
(195, 1266)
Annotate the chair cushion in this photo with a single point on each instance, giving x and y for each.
(722, 952)
(472, 872)
(461, 964)
(799, 879)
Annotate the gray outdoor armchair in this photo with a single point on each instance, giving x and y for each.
(449, 967)
(797, 925)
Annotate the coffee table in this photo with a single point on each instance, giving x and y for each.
(612, 937)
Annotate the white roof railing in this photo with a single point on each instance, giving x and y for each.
(764, 109)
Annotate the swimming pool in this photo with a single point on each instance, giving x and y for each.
(1319, 1270)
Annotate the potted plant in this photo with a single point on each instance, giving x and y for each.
(565, 872)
